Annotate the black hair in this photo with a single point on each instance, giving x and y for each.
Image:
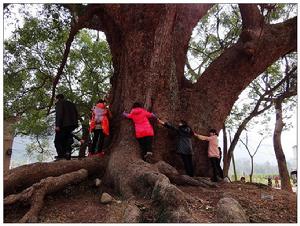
(60, 96)
(101, 101)
(137, 105)
(213, 131)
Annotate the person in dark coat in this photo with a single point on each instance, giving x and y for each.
(66, 120)
(184, 144)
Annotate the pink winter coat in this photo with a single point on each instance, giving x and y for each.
(142, 125)
(213, 150)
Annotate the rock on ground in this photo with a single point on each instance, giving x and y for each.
(132, 214)
(106, 198)
(230, 211)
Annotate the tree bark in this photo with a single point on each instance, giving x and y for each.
(85, 137)
(281, 161)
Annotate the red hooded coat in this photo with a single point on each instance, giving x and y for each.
(142, 125)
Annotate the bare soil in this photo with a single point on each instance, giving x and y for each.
(81, 204)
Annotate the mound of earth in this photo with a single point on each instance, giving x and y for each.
(81, 204)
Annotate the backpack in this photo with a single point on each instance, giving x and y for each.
(99, 113)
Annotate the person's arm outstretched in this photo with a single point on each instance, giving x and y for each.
(150, 115)
(126, 115)
(201, 137)
(167, 125)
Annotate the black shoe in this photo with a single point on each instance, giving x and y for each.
(58, 158)
(68, 156)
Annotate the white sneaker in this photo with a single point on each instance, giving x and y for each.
(148, 154)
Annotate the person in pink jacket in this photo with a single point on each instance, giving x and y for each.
(143, 129)
(213, 153)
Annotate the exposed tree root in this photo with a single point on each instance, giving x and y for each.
(174, 206)
(19, 178)
(146, 178)
(36, 193)
(179, 179)
(129, 176)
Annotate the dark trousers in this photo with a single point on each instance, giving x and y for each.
(145, 144)
(217, 170)
(220, 168)
(188, 164)
(98, 141)
(63, 141)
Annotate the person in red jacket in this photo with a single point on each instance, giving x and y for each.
(99, 126)
(143, 129)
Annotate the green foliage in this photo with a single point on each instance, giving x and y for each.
(32, 56)
(220, 29)
(215, 32)
(282, 12)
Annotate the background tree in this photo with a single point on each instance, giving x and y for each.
(246, 144)
(288, 91)
(259, 103)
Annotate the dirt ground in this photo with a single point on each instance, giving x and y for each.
(81, 204)
(261, 203)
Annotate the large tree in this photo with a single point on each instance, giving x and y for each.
(149, 44)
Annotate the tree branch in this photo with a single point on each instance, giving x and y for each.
(89, 12)
(246, 146)
(258, 146)
(73, 32)
(251, 17)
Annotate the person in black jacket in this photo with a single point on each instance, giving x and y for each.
(66, 120)
(184, 144)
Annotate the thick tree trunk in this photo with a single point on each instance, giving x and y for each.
(9, 135)
(282, 167)
(147, 56)
(147, 59)
(149, 45)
